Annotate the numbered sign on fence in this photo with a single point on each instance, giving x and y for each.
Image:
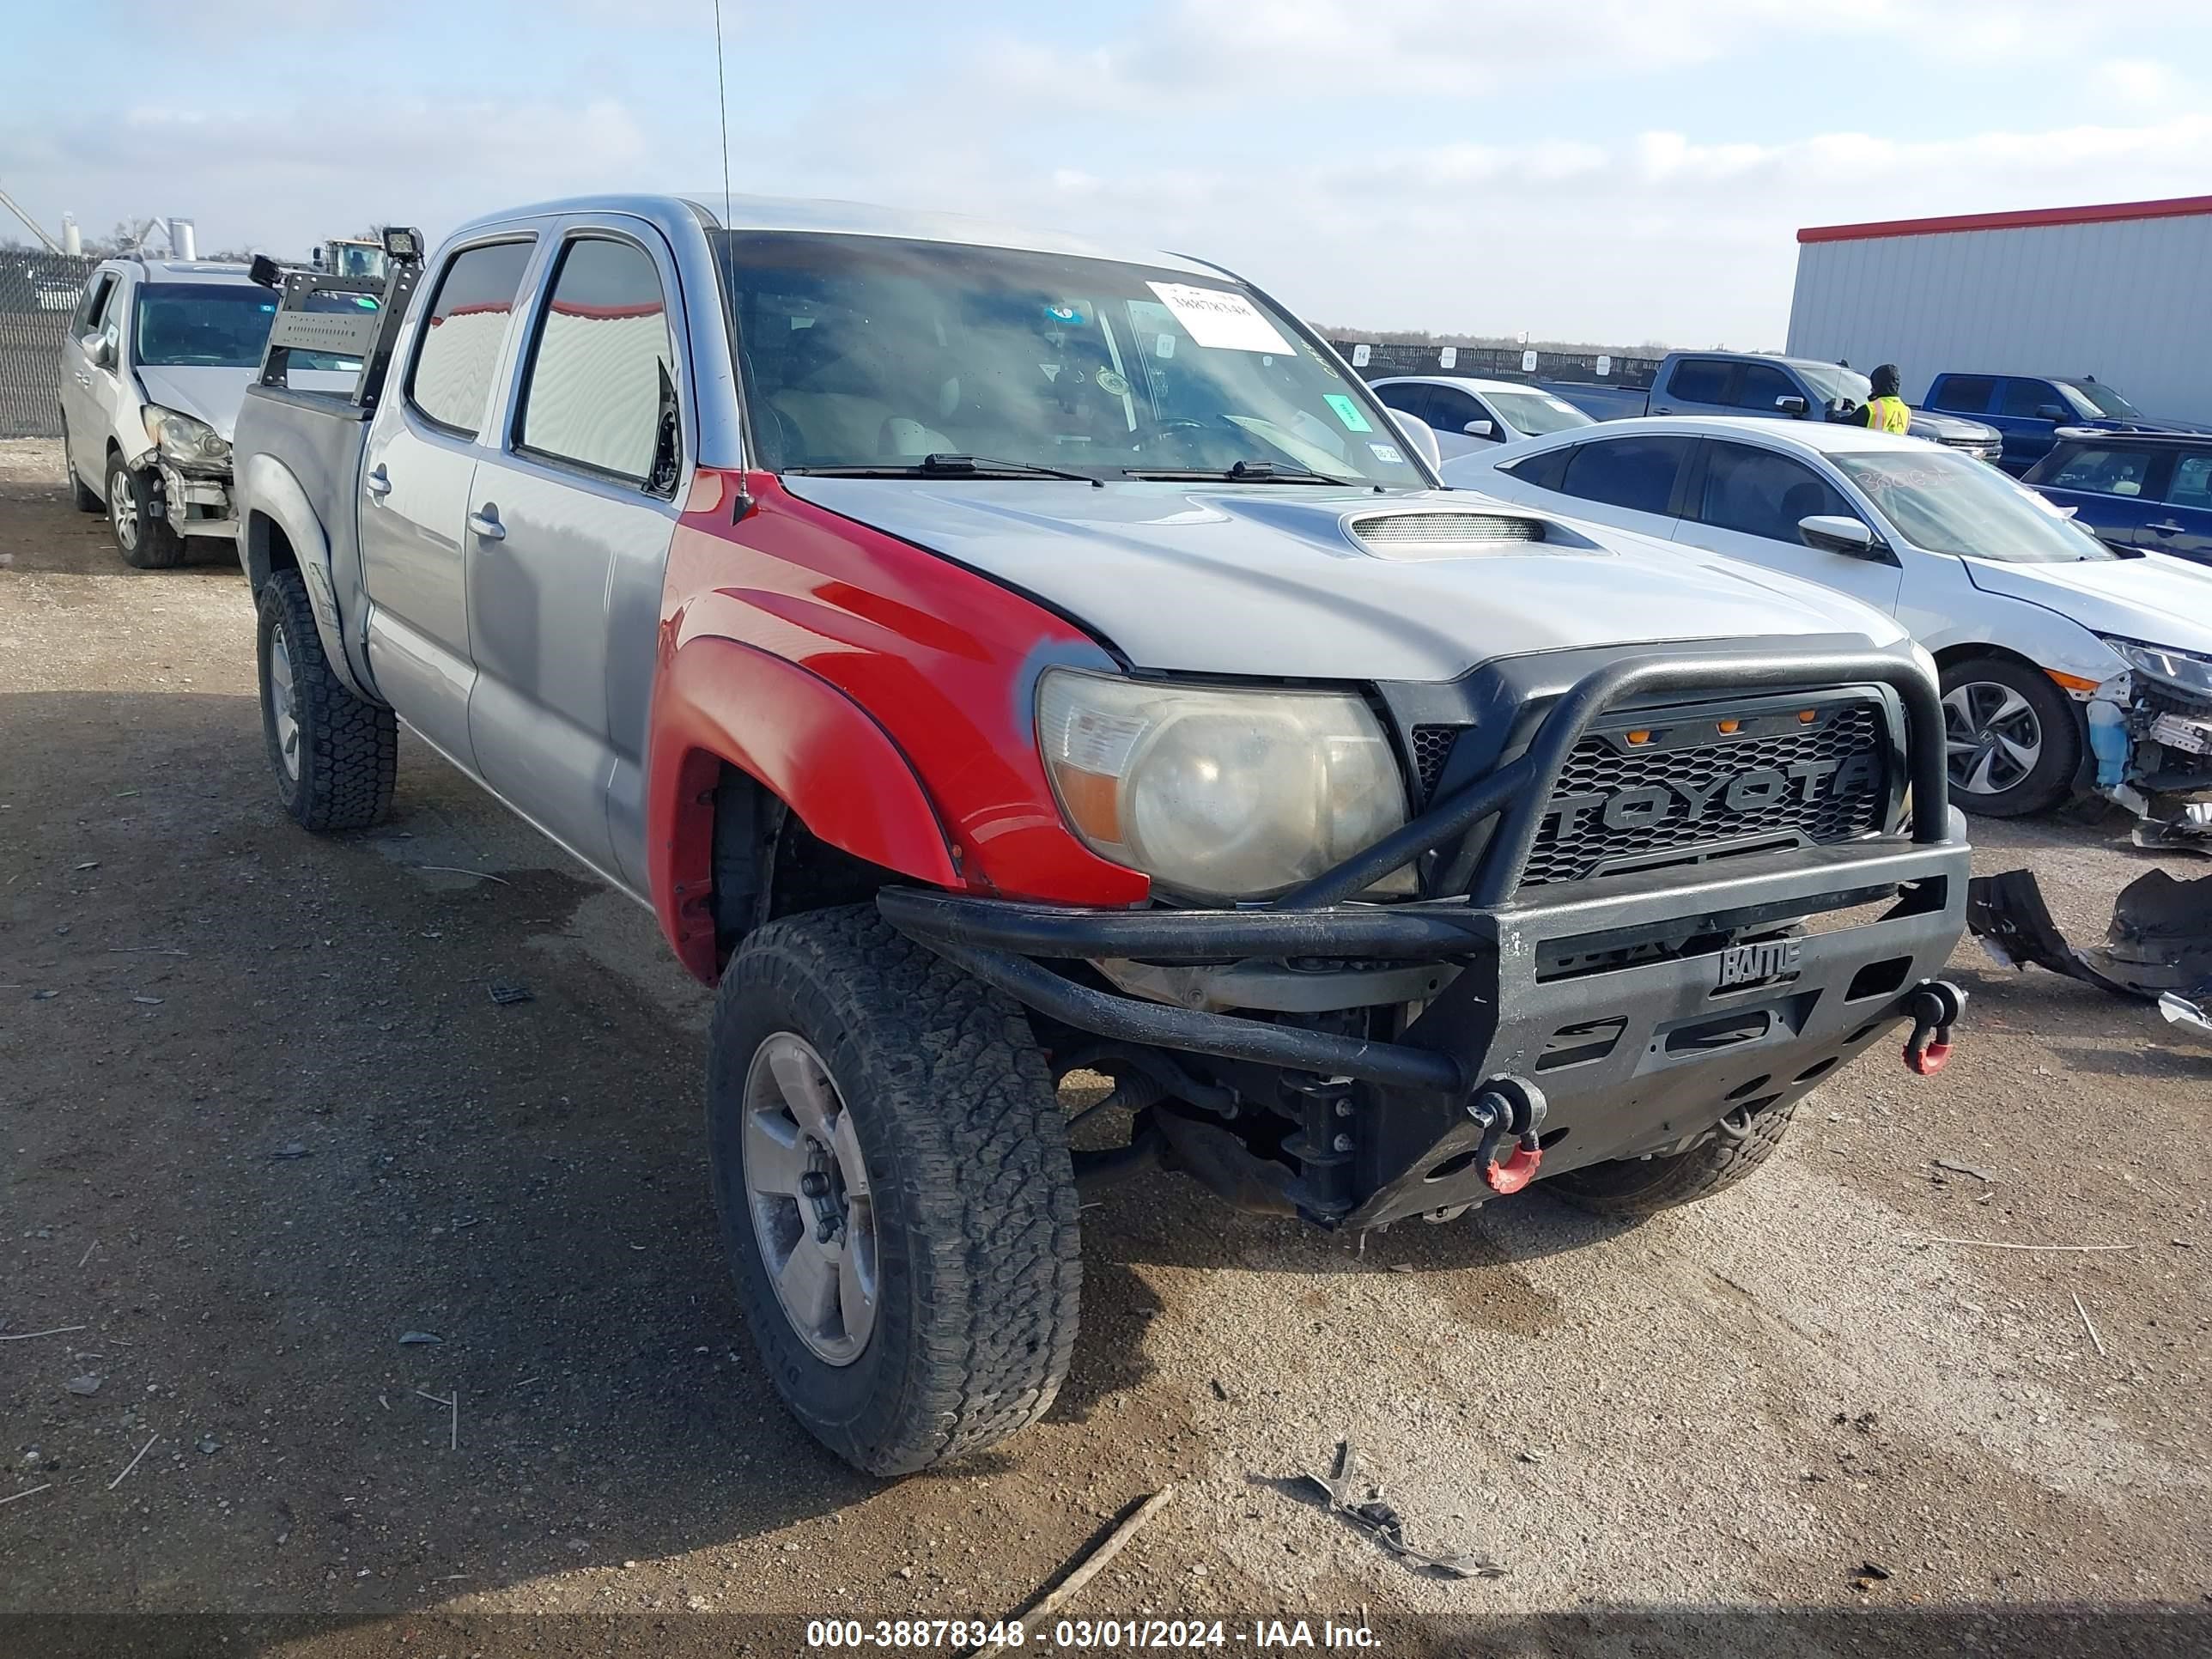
(1360, 355)
(1604, 367)
(1448, 358)
(1527, 362)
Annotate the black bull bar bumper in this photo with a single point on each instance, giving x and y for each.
(1627, 1000)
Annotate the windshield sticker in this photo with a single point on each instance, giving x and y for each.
(1111, 383)
(1219, 320)
(1387, 452)
(1067, 311)
(1164, 348)
(1347, 412)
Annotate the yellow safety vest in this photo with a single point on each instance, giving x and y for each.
(1888, 415)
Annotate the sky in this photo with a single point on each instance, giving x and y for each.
(1612, 171)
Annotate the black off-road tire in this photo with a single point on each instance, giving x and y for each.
(973, 1191)
(1630, 1188)
(83, 500)
(2050, 780)
(347, 748)
(145, 541)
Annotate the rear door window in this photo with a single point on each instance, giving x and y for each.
(458, 347)
(601, 375)
(1699, 380)
(1409, 398)
(1636, 473)
(1963, 394)
(2103, 470)
(1758, 493)
(1545, 471)
(1450, 409)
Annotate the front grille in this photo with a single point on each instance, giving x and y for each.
(1432, 747)
(1576, 840)
(2158, 698)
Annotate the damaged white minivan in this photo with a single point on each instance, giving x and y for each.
(154, 364)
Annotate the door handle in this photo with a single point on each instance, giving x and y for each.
(378, 484)
(2169, 528)
(83, 379)
(485, 523)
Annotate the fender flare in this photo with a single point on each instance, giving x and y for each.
(264, 489)
(717, 700)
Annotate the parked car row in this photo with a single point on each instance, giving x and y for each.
(2028, 410)
(2044, 634)
(2151, 491)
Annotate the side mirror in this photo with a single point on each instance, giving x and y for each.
(1478, 429)
(1832, 532)
(2049, 412)
(1420, 436)
(1790, 404)
(100, 349)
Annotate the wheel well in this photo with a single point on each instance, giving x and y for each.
(1953, 654)
(268, 549)
(768, 864)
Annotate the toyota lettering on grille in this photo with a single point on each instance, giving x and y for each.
(1748, 964)
(1675, 800)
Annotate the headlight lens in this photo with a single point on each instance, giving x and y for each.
(1219, 794)
(184, 440)
(2161, 662)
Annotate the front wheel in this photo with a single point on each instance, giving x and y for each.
(891, 1170)
(335, 755)
(2011, 738)
(1630, 1188)
(146, 542)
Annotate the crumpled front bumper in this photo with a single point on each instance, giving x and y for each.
(196, 503)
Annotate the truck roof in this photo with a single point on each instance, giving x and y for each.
(184, 271)
(844, 218)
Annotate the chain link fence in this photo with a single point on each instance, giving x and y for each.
(37, 292)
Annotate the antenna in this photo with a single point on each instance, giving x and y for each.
(722, 99)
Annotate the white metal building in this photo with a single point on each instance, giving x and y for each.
(2123, 292)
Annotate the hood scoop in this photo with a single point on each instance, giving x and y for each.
(1442, 535)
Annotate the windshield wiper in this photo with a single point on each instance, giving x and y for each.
(948, 466)
(1243, 472)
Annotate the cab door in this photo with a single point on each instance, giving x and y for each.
(1745, 500)
(567, 540)
(421, 457)
(81, 409)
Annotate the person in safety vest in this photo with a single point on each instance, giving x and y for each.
(1884, 411)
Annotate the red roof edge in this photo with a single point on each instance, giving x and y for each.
(2173, 207)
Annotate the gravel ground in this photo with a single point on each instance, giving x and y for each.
(262, 1121)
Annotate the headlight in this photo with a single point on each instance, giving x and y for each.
(2182, 668)
(1219, 794)
(183, 441)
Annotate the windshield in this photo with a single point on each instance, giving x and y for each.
(1534, 413)
(863, 352)
(214, 325)
(2090, 398)
(1950, 503)
(1834, 383)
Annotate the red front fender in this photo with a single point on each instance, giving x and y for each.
(813, 747)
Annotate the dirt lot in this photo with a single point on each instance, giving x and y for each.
(262, 1122)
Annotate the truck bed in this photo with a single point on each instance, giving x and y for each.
(317, 437)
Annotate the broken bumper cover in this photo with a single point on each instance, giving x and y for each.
(1630, 1001)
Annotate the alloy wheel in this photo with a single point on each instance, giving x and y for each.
(1991, 737)
(281, 705)
(813, 1213)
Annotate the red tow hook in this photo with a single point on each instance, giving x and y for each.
(1935, 1007)
(1519, 1171)
(1510, 1110)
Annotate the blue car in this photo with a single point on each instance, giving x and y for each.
(2137, 490)
(2028, 410)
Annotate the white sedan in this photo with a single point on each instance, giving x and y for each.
(1468, 415)
(2033, 622)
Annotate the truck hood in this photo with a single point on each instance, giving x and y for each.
(1269, 581)
(2156, 599)
(1953, 428)
(214, 395)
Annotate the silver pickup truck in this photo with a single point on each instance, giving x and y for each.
(999, 660)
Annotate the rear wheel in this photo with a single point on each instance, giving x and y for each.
(146, 542)
(335, 755)
(1630, 1189)
(2011, 738)
(891, 1170)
